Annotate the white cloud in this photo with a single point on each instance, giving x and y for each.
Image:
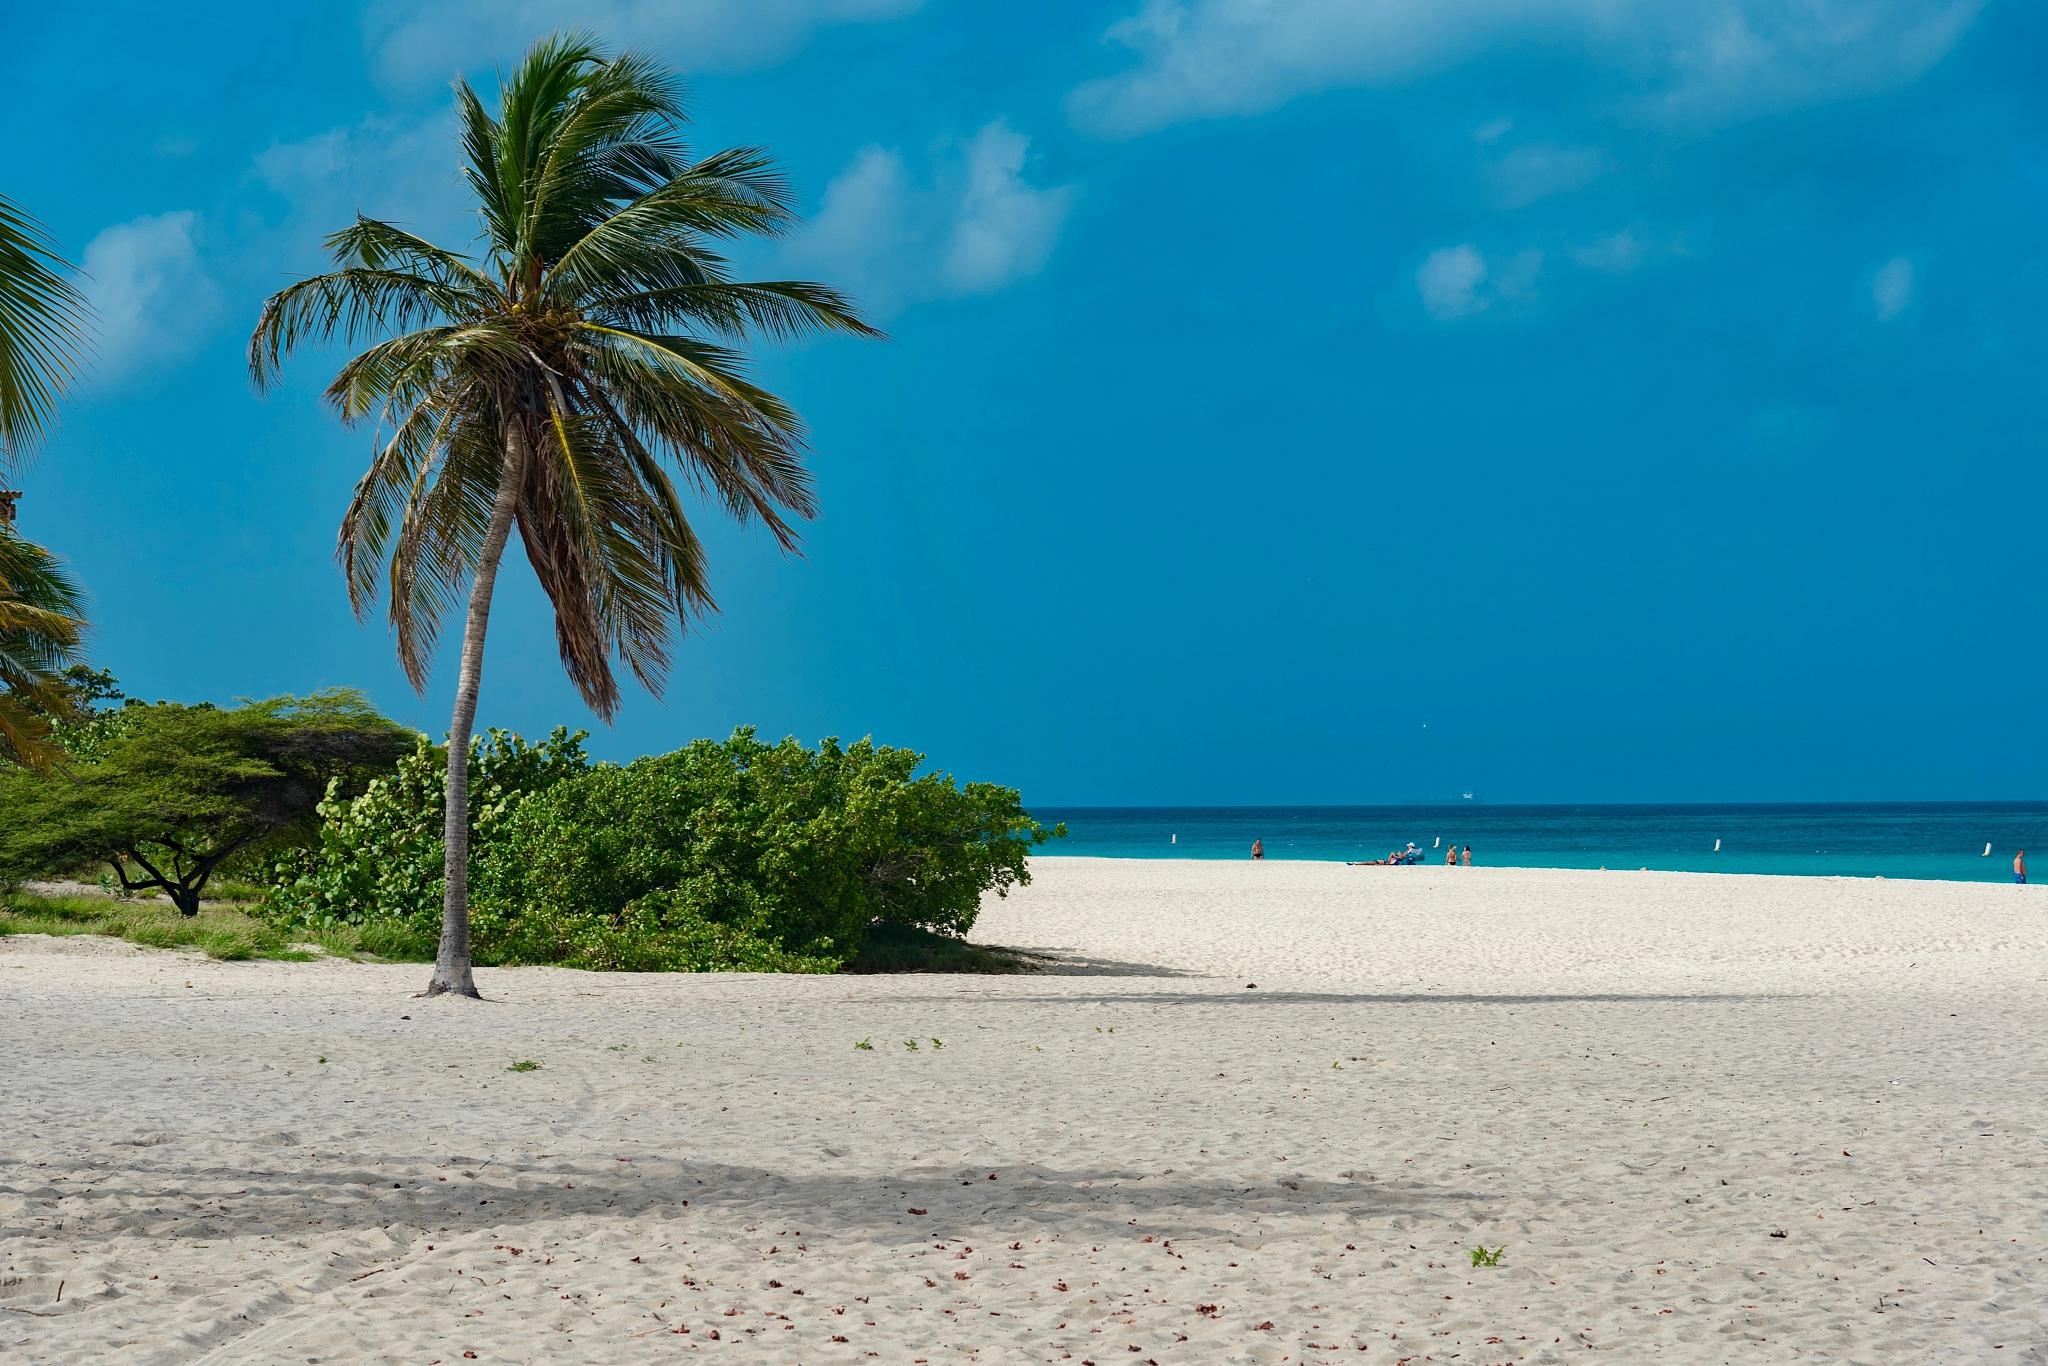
(859, 237)
(420, 44)
(1449, 281)
(405, 171)
(1005, 227)
(153, 301)
(1704, 58)
(1738, 55)
(1456, 282)
(1540, 170)
(1891, 288)
(976, 226)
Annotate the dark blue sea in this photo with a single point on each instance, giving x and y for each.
(1893, 839)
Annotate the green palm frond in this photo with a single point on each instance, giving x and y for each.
(597, 330)
(441, 530)
(784, 310)
(43, 321)
(41, 629)
(348, 305)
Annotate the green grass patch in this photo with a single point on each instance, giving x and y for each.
(895, 948)
(385, 943)
(218, 931)
(397, 944)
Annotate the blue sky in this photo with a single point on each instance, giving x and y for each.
(1289, 400)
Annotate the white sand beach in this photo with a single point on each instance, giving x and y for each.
(1258, 1113)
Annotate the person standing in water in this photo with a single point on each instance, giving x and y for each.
(2019, 867)
(1468, 856)
(1451, 857)
(1258, 848)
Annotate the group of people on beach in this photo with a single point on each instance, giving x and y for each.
(1399, 856)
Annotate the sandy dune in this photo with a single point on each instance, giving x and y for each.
(1636, 1082)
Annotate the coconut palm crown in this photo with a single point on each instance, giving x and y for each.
(42, 326)
(560, 380)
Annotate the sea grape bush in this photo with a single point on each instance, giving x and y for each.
(377, 864)
(807, 847)
(735, 855)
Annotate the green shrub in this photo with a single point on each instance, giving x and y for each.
(377, 865)
(738, 855)
(807, 848)
(660, 932)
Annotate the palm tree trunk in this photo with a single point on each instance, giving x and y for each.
(451, 963)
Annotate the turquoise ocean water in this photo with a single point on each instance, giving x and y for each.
(1905, 840)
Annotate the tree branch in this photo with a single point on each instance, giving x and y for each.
(121, 872)
(151, 869)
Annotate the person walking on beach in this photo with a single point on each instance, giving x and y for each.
(2019, 867)
(1468, 856)
(1258, 848)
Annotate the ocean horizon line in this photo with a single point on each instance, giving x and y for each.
(1455, 803)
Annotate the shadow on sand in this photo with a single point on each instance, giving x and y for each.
(264, 1201)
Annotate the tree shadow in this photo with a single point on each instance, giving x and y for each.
(903, 1207)
(1069, 962)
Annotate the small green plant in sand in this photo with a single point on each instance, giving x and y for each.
(938, 1044)
(524, 1065)
(910, 1044)
(1481, 1257)
(865, 1045)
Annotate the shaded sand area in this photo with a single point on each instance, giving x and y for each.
(1712, 1119)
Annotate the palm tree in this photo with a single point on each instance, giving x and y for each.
(42, 322)
(40, 630)
(550, 383)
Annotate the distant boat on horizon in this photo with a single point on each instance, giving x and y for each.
(1466, 795)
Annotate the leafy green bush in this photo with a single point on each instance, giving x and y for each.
(808, 848)
(378, 861)
(738, 855)
(660, 932)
